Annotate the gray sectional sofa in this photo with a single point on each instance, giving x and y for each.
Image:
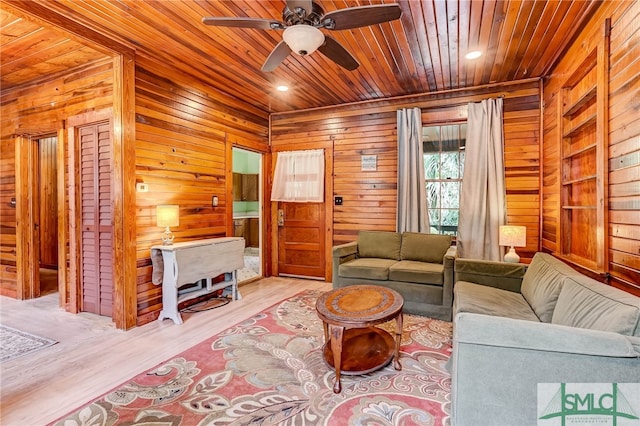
(518, 327)
(418, 266)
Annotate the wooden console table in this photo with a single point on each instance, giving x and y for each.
(190, 262)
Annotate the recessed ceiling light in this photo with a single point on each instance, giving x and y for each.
(474, 54)
(282, 88)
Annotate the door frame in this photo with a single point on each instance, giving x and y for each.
(28, 212)
(328, 210)
(74, 295)
(27, 234)
(262, 189)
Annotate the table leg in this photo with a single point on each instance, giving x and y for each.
(336, 347)
(325, 326)
(396, 358)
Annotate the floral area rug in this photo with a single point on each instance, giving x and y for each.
(16, 343)
(269, 370)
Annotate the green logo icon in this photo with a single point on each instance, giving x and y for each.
(595, 403)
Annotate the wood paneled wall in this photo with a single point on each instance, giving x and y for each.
(369, 128)
(184, 137)
(622, 228)
(36, 110)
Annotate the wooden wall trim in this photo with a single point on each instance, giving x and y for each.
(451, 97)
(123, 192)
(63, 220)
(25, 225)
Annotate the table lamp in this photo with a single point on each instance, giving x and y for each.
(167, 215)
(513, 236)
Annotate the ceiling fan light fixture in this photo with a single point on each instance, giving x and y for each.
(303, 39)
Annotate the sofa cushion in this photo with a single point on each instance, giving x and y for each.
(480, 299)
(379, 244)
(420, 247)
(417, 272)
(586, 303)
(542, 282)
(367, 268)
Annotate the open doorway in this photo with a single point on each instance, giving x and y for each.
(46, 200)
(247, 208)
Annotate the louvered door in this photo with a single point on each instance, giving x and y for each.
(96, 219)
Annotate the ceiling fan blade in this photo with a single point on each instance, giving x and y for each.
(277, 55)
(304, 4)
(257, 23)
(361, 16)
(338, 54)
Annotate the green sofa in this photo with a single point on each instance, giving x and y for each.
(418, 266)
(519, 332)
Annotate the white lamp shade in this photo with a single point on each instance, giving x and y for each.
(513, 236)
(168, 215)
(303, 39)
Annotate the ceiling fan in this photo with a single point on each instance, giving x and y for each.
(303, 20)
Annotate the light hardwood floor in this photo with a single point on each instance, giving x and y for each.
(92, 357)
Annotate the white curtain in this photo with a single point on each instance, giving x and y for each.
(482, 198)
(299, 177)
(412, 193)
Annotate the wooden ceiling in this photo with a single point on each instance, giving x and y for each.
(421, 52)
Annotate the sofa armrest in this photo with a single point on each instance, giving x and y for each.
(340, 254)
(448, 261)
(450, 257)
(506, 276)
(497, 364)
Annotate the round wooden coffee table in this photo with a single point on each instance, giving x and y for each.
(352, 344)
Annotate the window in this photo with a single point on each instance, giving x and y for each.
(443, 169)
(299, 177)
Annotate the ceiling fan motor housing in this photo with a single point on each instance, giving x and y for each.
(300, 16)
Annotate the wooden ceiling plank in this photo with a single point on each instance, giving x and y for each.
(80, 33)
(517, 55)
(426, 11)
(553, 13)
(415, 34)
(509, 35)
(569, 28)
(496, 23)
(475, 19)
(464, 37)
(441, 22)
(484, 22)
(453, 26)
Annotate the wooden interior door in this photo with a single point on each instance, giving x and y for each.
(96, 219)
(301, 240)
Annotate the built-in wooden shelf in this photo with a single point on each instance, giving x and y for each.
(588, 121)
(579, 151)
(585, 98)
(578, 180)
(583, 123)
